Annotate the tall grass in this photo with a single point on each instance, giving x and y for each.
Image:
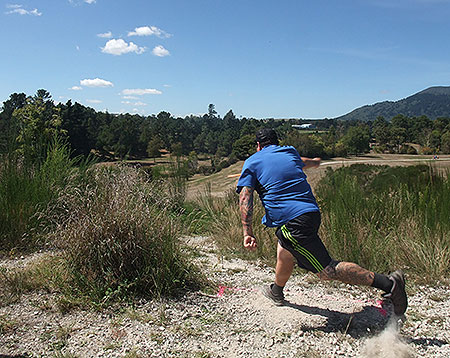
(224, 226)
(379, 217)
(383, 218)
(120, 236)
(25, 190)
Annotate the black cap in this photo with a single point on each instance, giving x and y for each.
(266, 136)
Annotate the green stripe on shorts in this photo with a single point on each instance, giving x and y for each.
(301, 250)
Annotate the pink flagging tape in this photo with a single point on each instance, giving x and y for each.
(380, 308)
(222, 290)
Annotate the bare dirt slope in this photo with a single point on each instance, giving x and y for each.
(234, 320)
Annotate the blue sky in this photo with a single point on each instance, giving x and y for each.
(282, 59)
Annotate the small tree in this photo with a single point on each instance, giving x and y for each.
(153, 147)
(212, 113)
(357, 140)
(244, 147)
(39, 122)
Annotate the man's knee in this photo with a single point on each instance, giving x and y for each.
(284, 255)
(329, 272)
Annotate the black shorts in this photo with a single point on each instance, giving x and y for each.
(299, 236)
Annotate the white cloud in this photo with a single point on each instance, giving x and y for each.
(137, 111)
(160, 51)
(149, 31)
(139, 103)
(35, 12)
(140, 91)
(119, 47)
(130, 97)
(76, 88)
(18, 9)
(106, 35)
(95, 101)
(79, 2)
(96, 82)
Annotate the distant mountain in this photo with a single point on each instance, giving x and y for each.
(433, 102)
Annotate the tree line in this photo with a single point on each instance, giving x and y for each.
(28, 124)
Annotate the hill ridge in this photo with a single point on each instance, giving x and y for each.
(433, 102)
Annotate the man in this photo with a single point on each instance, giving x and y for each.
(276, 173)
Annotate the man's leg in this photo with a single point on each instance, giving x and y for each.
(285, 266)
(283, 270)
(349, 272)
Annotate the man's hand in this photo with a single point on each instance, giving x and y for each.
(250, 243)
(246, 208)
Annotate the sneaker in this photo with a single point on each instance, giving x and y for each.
(398, 293)
(278, 300)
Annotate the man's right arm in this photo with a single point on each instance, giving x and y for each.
(246, 208)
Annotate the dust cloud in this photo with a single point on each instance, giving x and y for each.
(388, 344)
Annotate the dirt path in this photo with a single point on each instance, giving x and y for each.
(234, 320)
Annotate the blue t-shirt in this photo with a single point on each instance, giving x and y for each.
(275, 172)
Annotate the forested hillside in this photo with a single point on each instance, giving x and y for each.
(29, 123)
(433, 102)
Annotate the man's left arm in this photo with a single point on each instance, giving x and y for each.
(311, 162)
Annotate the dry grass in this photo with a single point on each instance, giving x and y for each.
(49, 273)
(120, 235)
(429, 253)
(226, 229)
(218, 183)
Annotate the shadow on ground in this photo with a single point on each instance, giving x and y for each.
(427, 342)
(356, 324)
(367, 322)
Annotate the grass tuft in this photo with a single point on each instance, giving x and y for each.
(27, 190)
(120, 236)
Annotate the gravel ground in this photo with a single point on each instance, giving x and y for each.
(320, 320)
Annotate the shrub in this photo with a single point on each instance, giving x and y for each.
(206, 169)
(120, 235)
(307, 145)
(427, 151)
(407, 149)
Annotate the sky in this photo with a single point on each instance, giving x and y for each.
(258, 58)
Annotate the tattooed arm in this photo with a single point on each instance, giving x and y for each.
(246, 208)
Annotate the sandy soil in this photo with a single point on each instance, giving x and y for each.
(235, 320)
